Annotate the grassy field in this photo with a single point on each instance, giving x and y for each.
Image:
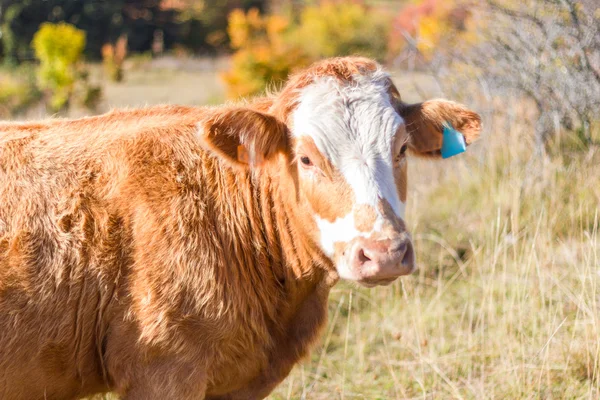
(506, 303)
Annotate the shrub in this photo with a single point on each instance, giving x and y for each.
(17, 91)
(269, 48)
(113, 57)
(340, 29)
(263, 55)
(59, 48)
(448, 24)
(555, 47)
(432, 26)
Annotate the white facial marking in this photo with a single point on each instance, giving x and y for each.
(340, 230)
(354, 126)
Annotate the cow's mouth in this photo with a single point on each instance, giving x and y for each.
(370, 283)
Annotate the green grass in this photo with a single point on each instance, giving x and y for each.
(17, 90)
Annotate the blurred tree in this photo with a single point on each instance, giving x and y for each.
(19, 20)
(204, 22)
(548, 50)
(18, 91)
(544, 50)
(59, 48)
(335, 28)
(426, 25)
(197, 24)
(263, 55)
(113, 57)
(269, 48)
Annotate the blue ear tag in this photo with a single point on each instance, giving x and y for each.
(453, 142)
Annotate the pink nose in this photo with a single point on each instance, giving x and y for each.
(381, 261)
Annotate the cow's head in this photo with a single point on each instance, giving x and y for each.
(348, 135)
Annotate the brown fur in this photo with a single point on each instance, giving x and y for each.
(120, 269)
(331, 197)
(364, 218)
(134, 258)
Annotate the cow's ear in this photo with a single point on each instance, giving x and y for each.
(425, 124)
(243, 137)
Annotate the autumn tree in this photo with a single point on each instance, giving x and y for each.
(544, 50)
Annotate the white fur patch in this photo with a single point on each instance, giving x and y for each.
(354, 126)
(340, 230)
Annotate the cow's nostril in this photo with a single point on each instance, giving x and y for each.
(398, 248)
(362, 257)
(408, 260)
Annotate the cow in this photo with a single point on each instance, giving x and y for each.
(179, 252)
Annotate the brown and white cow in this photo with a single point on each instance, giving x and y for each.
(187, 253)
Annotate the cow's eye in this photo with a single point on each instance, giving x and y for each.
(403, 149)
(306, 161)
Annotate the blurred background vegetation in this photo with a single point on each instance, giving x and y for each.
(546, 51)
(507, 301)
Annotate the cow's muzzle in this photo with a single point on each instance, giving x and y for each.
(380, 262)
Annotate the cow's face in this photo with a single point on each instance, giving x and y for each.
(348, 141)
(351, 142)
(350, 147)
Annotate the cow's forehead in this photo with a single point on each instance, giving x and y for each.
(354, 126)
(348, 121)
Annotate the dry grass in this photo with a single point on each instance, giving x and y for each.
(507, 300)
(506, 303)
(164, 80)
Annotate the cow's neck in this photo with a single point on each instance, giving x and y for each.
(286, 281)
(299, 262)
(295, 256)
(302, 269)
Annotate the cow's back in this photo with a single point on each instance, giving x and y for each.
(67, 193)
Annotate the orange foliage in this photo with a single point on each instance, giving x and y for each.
(263, 55)
(268, 48)
(113, 57)
(431, 23)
